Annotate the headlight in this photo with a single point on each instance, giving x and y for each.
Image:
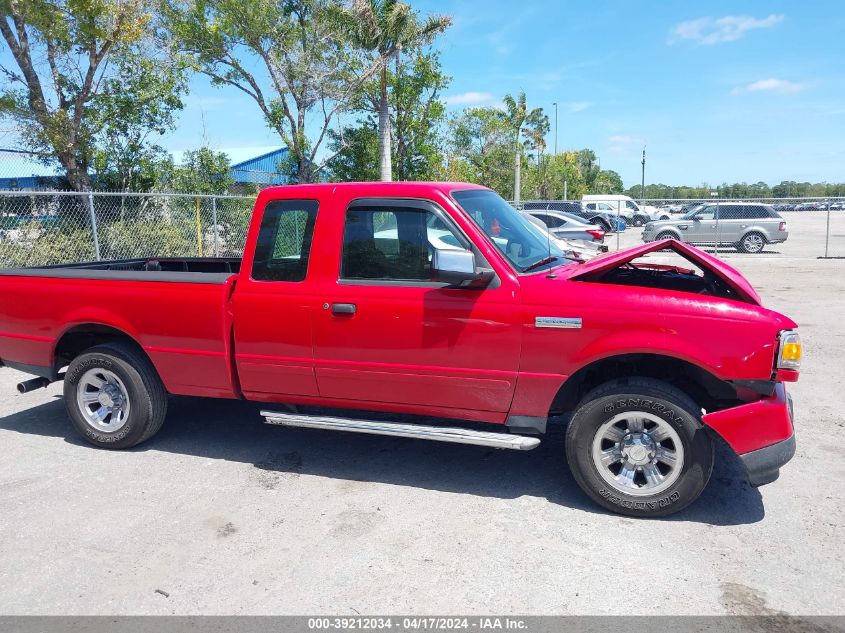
(649, 226)
(789, 350)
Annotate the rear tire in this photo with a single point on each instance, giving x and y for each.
(114, 396)
(637, 447)
(639, 220)
(753, 242)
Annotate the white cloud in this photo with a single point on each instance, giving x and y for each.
(716, 30)
(471, 99)
(578, 106)
(779, 86)
(624, 143)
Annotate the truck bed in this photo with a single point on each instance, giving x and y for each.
(177, 269)
(177, 309)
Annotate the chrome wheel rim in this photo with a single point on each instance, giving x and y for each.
(102, 400)
(638, 453)
(753, 243)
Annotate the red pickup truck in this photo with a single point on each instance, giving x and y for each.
(436, 299)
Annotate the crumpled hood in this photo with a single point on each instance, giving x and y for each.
(703, 260)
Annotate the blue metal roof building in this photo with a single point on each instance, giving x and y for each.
(261, 170)
(21, 171)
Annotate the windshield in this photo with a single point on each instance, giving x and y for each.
(526, 246)
(688, 215)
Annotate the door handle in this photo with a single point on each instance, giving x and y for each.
(344, 308)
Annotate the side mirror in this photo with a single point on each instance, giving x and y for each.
(695, 218)
(457, 268)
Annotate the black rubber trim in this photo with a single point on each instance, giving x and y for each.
(527, 424)
(36, 370)
(763, 465)
(119, 275)
(763, 387)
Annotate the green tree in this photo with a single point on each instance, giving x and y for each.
(73, 59)
(383, 28)
(560, 177)
(144, 105)
(607, 181)
(416, 119)
(290, 56)
(357, 153)
(532, 125)
(480, 149)
(202, 171)
(589, 167)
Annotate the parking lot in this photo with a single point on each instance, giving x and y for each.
(220, 514)
(808, 237)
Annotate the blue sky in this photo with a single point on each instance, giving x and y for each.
(717, 91)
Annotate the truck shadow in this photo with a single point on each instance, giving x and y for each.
(234, 431)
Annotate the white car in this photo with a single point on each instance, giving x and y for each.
(632, 212)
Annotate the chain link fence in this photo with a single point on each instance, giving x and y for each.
(50, 227)
(785, 227)
(39, 228)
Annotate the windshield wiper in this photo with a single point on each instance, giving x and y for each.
(542, 262)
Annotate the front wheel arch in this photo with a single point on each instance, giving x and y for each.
(702, 386)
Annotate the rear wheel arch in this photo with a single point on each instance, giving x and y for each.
(81, 337)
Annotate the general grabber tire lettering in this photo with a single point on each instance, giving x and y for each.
(637, 447)
(114, 396)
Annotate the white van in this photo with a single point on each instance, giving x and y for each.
(628, 209)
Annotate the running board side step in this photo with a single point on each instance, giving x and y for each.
(418, 431)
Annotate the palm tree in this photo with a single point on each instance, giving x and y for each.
(385, 27)
(533, 125)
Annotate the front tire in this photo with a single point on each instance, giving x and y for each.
(666, 235)
(114, 396)
(637, 447)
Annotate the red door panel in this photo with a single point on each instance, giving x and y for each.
(274, 352)
(418, 345)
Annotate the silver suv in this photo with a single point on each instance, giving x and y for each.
(746, 226)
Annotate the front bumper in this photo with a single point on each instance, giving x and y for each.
(761, 433)
(763, 466)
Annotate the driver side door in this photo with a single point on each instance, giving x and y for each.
(701, 229)
(387, 333)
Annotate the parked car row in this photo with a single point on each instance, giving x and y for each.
(608, 222)
(813, 205)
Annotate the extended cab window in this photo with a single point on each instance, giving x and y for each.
(284, 241)
(392, 242)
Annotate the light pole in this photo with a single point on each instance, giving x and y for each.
(642, 190)
(554, 103)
